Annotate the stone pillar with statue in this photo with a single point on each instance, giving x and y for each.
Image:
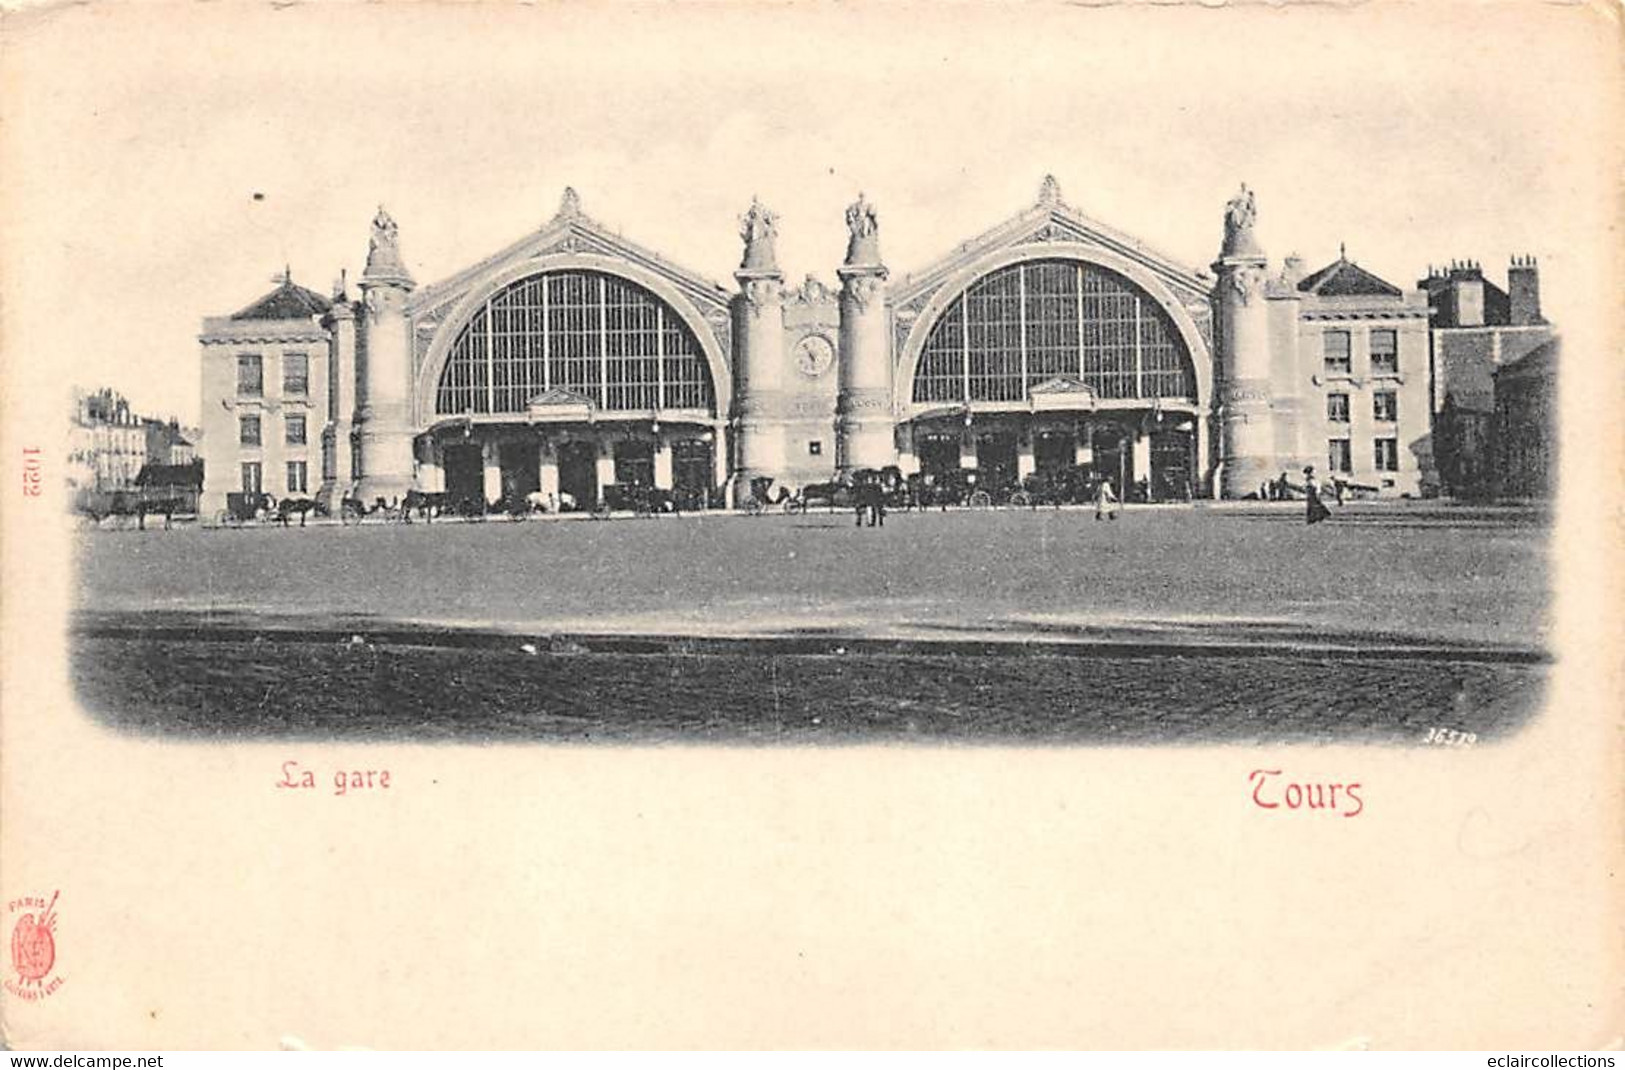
(384, 386)
(864, 423)
(759, 362)
(1246, 434)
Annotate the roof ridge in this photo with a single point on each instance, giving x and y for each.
(289, 301)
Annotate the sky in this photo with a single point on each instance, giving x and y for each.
(165, 161)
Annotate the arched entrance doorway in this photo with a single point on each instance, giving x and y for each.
(571, 379)
(1062, 366)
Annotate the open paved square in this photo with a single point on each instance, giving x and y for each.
(1175, 623)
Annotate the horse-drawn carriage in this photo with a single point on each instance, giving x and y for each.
(245, 508)
(895, 492)
(97, 506)
(955, 486)
(640, 499)
(1056, 487)
(762, 498)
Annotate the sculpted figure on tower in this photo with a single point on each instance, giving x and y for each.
(384, 250)
(759, 229)
(863, 247)
(1239, 216)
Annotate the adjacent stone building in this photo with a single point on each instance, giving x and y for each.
(107, 442)
(267, 414)
(1524, 434)
(1476, 329)
(576, 358)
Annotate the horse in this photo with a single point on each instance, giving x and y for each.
(836, 494)
(942, 489)
(427, 504)
(759, 501)
(353, 507)
(1045, 488)
(289, 506)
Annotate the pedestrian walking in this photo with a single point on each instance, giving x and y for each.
(870, 498)
(1316, 509)
(1105, 501)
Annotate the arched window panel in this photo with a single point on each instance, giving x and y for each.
(941, 372)
(588, 332)
(1027, 323)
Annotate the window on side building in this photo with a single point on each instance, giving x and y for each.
(295, 375)
(1337, 408)
(1384, 352)
(1338, 458)
(296, 429)
(1336, 346)
(298, 477)
(250, 375)
(1387, 454)
(1385, 406)
(251, 477)
(248, 430)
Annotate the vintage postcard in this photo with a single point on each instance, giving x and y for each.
(804, 526)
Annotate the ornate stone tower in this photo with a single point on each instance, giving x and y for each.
(864, 428)
(1246, 435)
(759, 364)
(383, 382)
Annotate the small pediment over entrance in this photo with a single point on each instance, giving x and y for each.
(1062, 392)
(558, 405)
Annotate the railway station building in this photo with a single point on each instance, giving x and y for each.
(575, 358)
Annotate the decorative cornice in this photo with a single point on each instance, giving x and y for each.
(762, 290)
(1364, 314)
(262, 338)
(862, 285)
(1245, 278)
(812, 291)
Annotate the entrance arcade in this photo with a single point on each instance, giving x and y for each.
(578, 475)
(570, 466)
(1147, 456)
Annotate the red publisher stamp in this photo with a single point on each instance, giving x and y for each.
(33, 947)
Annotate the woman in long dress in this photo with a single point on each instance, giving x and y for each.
(1317, 510)
(1105, 501)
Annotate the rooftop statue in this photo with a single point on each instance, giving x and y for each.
(384, 249)
(759, 228)
(864, 226)
(860, 217)
(1239, 216)
(1241, 211)
(384, 232)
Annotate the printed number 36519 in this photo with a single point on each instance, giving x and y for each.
(1449, 737)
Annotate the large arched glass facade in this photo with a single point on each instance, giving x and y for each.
(588, 332)
(1033, 321)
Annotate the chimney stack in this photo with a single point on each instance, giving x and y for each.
(1523, 290)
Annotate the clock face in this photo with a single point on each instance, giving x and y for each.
(814, 355)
